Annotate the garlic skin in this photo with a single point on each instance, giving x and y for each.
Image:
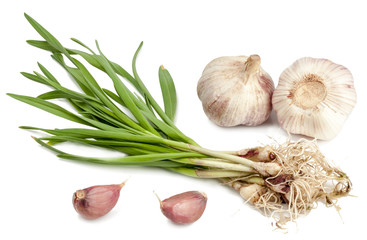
(236, 91)
(314, 97)
(96, 201)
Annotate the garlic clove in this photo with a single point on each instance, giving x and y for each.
(96, 201)
(314, 98)
(258, 154)
(236, 91)
(249, 192)
(185, 207)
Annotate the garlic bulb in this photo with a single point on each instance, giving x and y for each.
(314, 98)
(236, 91)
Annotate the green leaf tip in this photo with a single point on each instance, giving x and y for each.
(26, 15)
(12, 95)
(168, 92)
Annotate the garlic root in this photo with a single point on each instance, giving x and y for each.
(305, 178)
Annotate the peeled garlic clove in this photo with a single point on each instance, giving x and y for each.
(314, 98)
(96, 201)
(236, 91)
(184, 208)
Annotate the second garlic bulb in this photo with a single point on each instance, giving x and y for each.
(314, 97)
(236, 91)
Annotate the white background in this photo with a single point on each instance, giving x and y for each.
(36, 187)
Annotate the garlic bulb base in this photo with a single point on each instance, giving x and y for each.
(314, 98)
(80, 194)
(309, 92)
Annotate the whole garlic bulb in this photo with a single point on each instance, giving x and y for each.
(236, 91)
(314, 98)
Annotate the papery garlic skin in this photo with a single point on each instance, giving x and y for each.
(314, 98)
(236, 91)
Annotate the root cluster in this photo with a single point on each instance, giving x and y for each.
(306, 178)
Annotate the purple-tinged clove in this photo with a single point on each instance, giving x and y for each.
(184, 208)
(96, 201)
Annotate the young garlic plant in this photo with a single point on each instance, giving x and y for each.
(288, 177)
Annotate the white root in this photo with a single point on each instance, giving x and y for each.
(301, 178)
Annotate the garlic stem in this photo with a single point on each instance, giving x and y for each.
(123, 183)
(220, 173)
(159, 199)
(204, 173)
(265, 169)
(220, 164)
(252, 65)
(217, 154)
(257, 180)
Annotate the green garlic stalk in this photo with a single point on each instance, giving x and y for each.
(134, 124)
(149, 138)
